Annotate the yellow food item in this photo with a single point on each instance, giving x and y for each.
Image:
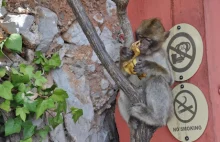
(129, 65)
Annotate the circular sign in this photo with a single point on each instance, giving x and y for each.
(184, 47)
(190, 113)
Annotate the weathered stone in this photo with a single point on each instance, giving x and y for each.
(79, 96)
(3, 12)
(110, 7)
(91, 68)
(29, 55)
(98, 18)
(47, 27)
(78, 69)
(75, 35)
(104, 84)
(59, 41)
(111, 45)
(31, 40)
(17, 23)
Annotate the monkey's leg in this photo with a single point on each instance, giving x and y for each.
(124, 105)
(144, 114)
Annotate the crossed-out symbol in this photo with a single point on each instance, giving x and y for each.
(183, 108)
(180, 52)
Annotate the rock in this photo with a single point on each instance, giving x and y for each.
(47, 28)
(17, 23)
(98, 18)
(3, 12)
(79, 96)
(30, 55)
(78, 69)
(111, 45)
(104, 84)
(91, 68)
(75, 35)
(59, 41)
(31, 40)
(110, 7)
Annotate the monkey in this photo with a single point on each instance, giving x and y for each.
(153, 60)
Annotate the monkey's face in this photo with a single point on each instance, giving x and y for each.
(151, 33)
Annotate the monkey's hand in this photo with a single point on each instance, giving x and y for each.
(142, 67)
(126, 54)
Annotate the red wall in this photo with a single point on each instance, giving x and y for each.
(204, 16)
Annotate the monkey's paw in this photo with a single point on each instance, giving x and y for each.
(126, 53)
(138, 110)
(142, 67)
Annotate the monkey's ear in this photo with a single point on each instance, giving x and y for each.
(166, 34)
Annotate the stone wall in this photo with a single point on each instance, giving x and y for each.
(50, 26)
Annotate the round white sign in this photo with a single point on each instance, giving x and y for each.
(190, 113)
(184, 47)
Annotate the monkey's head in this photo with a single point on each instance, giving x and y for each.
(152, 34)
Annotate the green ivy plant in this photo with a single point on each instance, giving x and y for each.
(23, 94)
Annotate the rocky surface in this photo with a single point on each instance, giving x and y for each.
(50, 26)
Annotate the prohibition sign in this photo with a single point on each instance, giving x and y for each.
(192, 108)
(191, 57)
(184, 49)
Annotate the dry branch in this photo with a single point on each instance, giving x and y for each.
(142, 133)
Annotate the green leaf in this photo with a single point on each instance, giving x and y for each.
(5, 106)
(22, 87)
(55, 121)
(51, 88)
(19, 98)
(14, 42)
(16, 79)
(26, 70)
(29, 129)
(53, 62)
(31, 105)
(76, 113)
(6, 90)
(43, 132)
(3, 2)
(59, 95)
(12, 126)
(39, 79)
(61, 107)
(2, 72)
(15, 71)
(43, 106)
(22, 111)
(27, 140)
(40, 58)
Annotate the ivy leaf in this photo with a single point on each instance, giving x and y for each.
(61, 107)
(3, 2)
(19, 98)
(39, 79)
(6, 90)
(12, 126)
(26, 70)
(14, 42)
(43, 132)
(29, 129)
(16, 79)
(76, 113)
(55, 121)
(40, 58)
(31, 105)
(53, 62)
(59, 95)
(14, 71)
(27, 140)
(5, 106)
(22, 111)
(2, 72)
(22, 87)
(43, 106)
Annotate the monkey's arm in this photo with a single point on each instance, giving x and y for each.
(151, 69)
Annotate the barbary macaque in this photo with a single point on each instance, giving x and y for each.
(152, 61)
